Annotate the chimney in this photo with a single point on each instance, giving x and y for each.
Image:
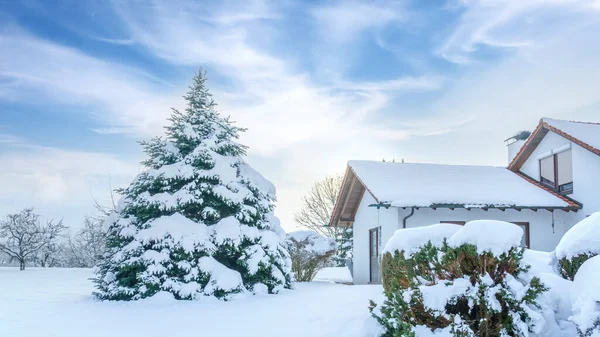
(515, 143)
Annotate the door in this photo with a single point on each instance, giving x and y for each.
(374, 238)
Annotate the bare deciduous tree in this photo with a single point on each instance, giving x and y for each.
(50, 254)
(22, 236)
(318, 204)
(309, 252)
(316, 211)
(88, 245)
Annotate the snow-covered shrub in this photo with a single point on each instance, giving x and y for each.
(555, 303)
(199, 222)
(466, 285)
(586, 298)
(309, 252)
(578, 245)
(409, 251)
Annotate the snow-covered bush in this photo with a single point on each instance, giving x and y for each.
(578, 245)
(199, 222)
(409, 251)
(309, 252)
(586, 298)
(447, 281)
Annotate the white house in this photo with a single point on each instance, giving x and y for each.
(552, 182)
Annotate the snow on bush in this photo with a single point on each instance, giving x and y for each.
(555, 302)
(309, 252)
(496, 237)
(199, 222)
(586, 298)
(409, 240)
(398, 264)
(579, 244)
(467, 285)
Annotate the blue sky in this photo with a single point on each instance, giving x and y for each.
(317, 84)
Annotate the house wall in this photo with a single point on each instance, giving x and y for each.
(586, 180)
(586, 173)
(542, 235)
(368, 218)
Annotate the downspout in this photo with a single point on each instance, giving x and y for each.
(412, 212)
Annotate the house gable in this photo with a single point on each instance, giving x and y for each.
(545, 126)
(348, 201)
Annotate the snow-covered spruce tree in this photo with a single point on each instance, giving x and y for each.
(466, 285)
(199, 221)
(344, 247)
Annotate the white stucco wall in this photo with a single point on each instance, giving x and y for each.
(368, 218)
(542, 235)
(586, 180)
(586, 173)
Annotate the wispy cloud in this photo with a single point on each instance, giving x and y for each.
(9, 139)
(121, 42)
(115, 94)
(269, 94)
(343, 21)
(59, 182)
(506, 24)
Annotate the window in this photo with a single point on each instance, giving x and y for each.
(454, 222)
(374, 244)
(564, 163)
(547, 172)
(556, 172)
(525, 227)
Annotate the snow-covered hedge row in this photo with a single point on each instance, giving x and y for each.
(309, 252)
(428, 270)
(447, 280)
(578, 245)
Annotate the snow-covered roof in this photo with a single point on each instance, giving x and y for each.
(588, 133)
(431, 185)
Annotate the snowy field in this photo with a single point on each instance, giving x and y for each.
(57, 302)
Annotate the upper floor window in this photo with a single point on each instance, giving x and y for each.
(556, 171)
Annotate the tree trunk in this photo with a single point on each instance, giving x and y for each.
(21, 264)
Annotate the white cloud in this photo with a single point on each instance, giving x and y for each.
(59, 183)
(344, 21)
(117, 95)
(280, 104)
(300, 129)
(10, 139)
(557, 78)
(508, 24)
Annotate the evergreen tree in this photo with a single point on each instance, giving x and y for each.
(344, 246)
(199, 221)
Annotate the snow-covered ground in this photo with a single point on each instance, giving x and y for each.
(58, 302)
(334, 274)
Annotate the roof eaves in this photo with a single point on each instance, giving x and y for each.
(513, 164)
(333, 220)
(572, 138)
(339, 196)
(574, 204)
